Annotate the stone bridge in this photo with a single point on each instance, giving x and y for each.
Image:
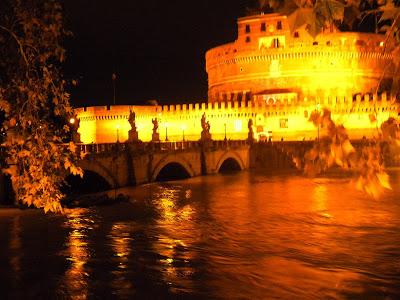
(126, 164)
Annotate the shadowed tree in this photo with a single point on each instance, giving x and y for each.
(34, 101)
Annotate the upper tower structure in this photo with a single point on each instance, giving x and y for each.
(269, 57)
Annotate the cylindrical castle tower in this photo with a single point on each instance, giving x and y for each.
(269, 58)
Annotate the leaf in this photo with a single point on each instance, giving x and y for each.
(67, 164)
(300, 17)
(389, 11)
(12, 122)
(82, 155)
(347, 148)
(351, 14)
(330, 10)
(315, 118)
(4, 106)
(297, 162)
(76, 171)
(72, 147)
(383, 178)
(372, 117)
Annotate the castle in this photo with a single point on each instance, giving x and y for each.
(276, 77)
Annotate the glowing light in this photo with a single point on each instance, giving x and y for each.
(381, 44)
(117, 126)
(238, 125)
(72, 121)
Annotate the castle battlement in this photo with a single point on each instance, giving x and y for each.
(284, 115)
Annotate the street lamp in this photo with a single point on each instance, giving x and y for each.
(117, 126)
(166, 131)
(225, 132)
(183, 132)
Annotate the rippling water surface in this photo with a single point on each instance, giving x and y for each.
(247, 236)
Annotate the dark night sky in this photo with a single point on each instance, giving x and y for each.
(156, 48)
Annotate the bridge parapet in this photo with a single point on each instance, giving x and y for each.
(158, 146)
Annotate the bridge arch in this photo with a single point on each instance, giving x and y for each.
(90, 183)
(170, 160)
(100, 170)
(230, 155)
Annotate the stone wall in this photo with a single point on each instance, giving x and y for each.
(277, 116)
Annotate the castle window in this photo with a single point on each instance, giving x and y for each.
(360, 43)
(247, 29)
(315, 43)
(247, 39)
(279, 25)
(296, 34)
(328, 43)
(275, 42)
(263, 27)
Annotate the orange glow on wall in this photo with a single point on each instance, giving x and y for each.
(333, 63)
(287, 119)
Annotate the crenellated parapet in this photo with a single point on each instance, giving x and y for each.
(278, 115)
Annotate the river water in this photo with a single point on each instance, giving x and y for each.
(239, 236)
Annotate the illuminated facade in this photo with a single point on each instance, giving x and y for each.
(275, 77)
(268, 57)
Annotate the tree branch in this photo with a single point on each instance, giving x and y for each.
(21, 49)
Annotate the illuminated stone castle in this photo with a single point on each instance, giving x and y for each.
(275, 76)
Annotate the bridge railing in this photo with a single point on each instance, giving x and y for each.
(158, 146)
(229, 143)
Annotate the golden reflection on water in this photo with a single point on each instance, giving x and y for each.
(76, 277)
(120, 236)
(173, 244)
(319, 199)
(293, 238)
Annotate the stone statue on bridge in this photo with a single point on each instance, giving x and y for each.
(155, 137)
(205, 125)
(133, 135)
(250, 135)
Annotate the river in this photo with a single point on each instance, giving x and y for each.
(238, 236)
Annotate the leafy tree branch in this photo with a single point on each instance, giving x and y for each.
(34, 101)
